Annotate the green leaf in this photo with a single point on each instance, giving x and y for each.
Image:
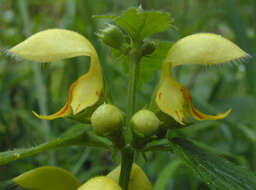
(166, 174)
(81, 139)
(215, 171)
(47, 178)
(149, 64)
(140, 24)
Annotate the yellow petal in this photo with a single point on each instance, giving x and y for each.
(53, 178)
(56, 44)
(83, 93)
(53, 44)
(100, 183)
(88, 89)
(64, 111)
(199, 115)
(172, 99)
(138, 179)
(203, 48)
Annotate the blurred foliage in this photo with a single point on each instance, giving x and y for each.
(25, 87)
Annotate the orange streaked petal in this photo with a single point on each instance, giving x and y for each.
(88, 89)
(84, 92)
(56, 44)
(203, 48)
(202, 116)
(199, 115)
(64, 111)
(170, 99)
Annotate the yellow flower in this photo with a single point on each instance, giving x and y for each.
(100, 183)
(138, 179)
(56, 178)
(56, 44)
(203, 48)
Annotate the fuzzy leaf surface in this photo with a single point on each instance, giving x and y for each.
(215, 171)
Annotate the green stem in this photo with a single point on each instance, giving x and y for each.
(83, 139)
(127, 153)
(132, 86)
(126, 166)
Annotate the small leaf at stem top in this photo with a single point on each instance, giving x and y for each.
(140, 24)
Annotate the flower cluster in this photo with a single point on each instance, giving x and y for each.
(171, 98)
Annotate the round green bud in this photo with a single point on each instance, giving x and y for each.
(101, 183)
(145, 123)
(148, 48)
(138, 179)
(106, 119)
(112, 36)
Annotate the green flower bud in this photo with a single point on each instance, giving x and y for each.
(100, 182)
(112, 36)
(145, 123)
(138, 179)
(106, 119)
(148, 48)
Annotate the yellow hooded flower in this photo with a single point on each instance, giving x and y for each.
(56, 44)
(100, 183)
(204, 48)
(138, 179)
(47, 178)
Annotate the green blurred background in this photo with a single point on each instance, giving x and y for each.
(26, 86)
